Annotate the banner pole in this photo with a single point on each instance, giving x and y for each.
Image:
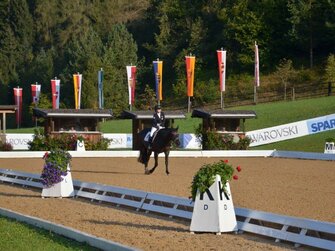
(189, 104)
(222, 102)
(255, 94)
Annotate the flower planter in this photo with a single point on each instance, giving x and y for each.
(214, 210)
(61, 189)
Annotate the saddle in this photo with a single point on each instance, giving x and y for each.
(147, 136)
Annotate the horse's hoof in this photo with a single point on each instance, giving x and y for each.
(167, 173)
(147, 172)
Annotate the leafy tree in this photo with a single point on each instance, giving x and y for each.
(330, 71)
(285, 73)
(120, 50)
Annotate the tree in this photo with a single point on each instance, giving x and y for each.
(330, 71)
(120, 50)
(285, 73)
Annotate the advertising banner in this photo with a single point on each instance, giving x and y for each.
(35, 92)
(131, 76)
(158, 71)
(257, 83)
(55, 90)
(190, 66)
(222, 69)
(18, 103)
(100, 88)
(291, 130)
(77, 81)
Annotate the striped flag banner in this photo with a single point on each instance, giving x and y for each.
(190, 65)
(18, 103)
(100, 88)
(257, 83)
(55, 91)
(131, 76)
(77, 81)
(221, 54)
(35, 93)
(158, 71)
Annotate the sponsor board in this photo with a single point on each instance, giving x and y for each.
(189, 141)
(119, 140)
(321, 124)
(291, 130)
(19, 141)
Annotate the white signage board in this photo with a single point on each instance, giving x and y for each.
(19, 141)
(291, 130)
(329, 147)
(119, 140)
(189, 141)
(214, 210)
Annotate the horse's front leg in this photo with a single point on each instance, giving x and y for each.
(167, 162)
(146, 171)
(156, 163)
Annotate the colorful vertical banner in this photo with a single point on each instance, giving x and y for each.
(256, 66)
(18, 103)
(158, 71)
(221, 54)
(131, 77)
(55, 92)
(190, 65)
(100, 88)
(77, 80)
(35, 93)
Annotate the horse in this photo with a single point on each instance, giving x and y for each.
(162, 142)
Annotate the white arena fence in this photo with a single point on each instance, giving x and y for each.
(295, 230)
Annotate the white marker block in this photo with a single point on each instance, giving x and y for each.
(214, 210)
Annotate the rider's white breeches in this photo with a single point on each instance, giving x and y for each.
(153, 130)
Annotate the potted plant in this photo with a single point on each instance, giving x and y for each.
(205, 176)
(213, 209)
(56, 176)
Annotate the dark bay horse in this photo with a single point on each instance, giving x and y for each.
(161, 144)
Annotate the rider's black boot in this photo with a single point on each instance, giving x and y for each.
(150, 143)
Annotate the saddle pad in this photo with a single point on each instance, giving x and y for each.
(147, 136)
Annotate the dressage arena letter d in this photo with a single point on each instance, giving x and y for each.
(214, 210)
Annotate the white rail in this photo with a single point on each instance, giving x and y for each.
(299, 231)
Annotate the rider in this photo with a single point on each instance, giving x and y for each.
(158, 121)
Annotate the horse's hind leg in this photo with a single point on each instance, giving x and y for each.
(156, 163)
(167, 162)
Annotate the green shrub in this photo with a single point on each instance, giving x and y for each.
(4, 146)
(67, 142)
(216, 141)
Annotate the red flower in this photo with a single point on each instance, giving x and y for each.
(45, 155)
(238, 168)
(225, 161)
(235, 177)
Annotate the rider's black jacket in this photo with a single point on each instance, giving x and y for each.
(158, 120)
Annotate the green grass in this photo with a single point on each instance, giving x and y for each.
(20, 236)
(272, 114)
